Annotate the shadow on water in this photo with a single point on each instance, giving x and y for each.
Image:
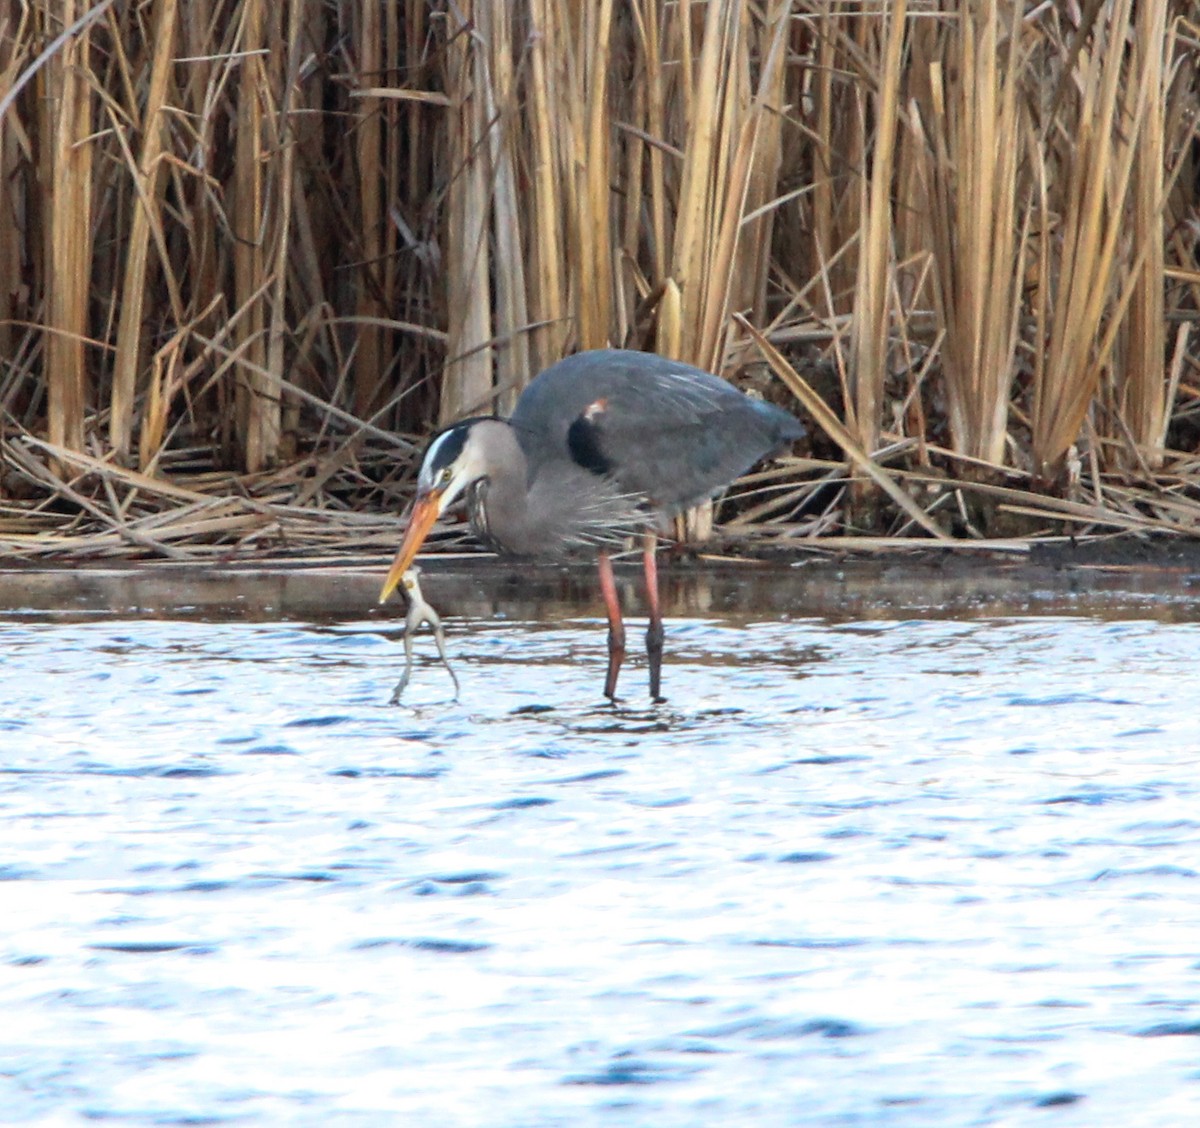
(891, 853)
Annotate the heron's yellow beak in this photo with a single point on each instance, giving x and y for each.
(424, 514)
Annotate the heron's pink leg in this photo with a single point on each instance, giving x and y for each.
(616, 626)
(654, 630)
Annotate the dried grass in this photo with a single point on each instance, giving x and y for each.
(971, 128)
(256, 249)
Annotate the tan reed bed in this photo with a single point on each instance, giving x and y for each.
(250, 253)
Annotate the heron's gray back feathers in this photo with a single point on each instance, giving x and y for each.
(655, 428)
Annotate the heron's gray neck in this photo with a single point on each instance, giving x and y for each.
(551, 508)
(499, 503)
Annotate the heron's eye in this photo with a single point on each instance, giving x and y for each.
(445, 476)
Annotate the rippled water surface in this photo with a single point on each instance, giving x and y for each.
(869, 873)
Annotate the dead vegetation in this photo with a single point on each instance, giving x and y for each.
(251, 252)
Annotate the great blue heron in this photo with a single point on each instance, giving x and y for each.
(602, 446)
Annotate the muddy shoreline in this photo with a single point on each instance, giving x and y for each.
(1119, 577)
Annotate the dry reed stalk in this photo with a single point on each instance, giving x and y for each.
(285, 145)
(468, 378)
(708, 106)
(163, 377)
(589, 152)
(148, 183)
(332, 414)
(633, 293)
(647, 222)
(648, 17)
(739, 176)
(152, 487)
(869, 337)
(1076, 295)
(1143, 381)
(833, 427)
(391, 272)
(15, 46)
(259, 412)
(369, 181)
(497, 54)
(759, 207)
(67, 101)
(970, 130)
(201, 89)
(548, 297)
(652, 168)
(669, 333)
(562, 142)
(730, 164)
(839, 152)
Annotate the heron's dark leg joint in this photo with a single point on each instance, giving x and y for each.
(654, 630)
(654, 638)
(616, 655)
(654, 653)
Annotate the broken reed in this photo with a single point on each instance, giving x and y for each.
(249, 225)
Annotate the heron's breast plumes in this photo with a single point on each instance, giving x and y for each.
(557, 515)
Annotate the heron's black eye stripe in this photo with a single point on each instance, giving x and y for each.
(583, 441)
(447, 444)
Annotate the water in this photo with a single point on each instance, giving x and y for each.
(873, 872)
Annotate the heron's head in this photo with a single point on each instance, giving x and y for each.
(456, 457)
